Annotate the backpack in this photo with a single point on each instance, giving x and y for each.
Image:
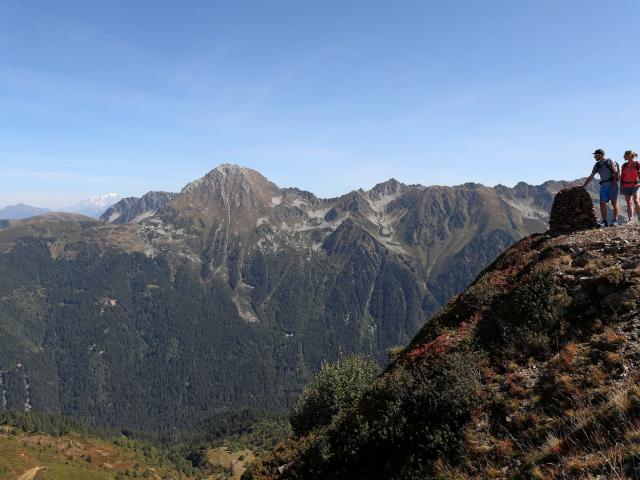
(631, 174)
(609, 164)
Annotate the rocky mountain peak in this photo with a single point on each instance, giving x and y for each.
(390, 187)
(233, 186)
(134, 209)
(231, 175)
(355, 201)
(234, 169)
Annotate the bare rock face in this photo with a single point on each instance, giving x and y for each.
(572, 211)
(134, 210)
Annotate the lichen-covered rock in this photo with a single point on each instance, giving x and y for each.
(572, 210)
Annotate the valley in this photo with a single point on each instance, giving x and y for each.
(232, 292)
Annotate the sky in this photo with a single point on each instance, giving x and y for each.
(328, 96)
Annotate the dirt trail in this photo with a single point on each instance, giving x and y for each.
(29, 474)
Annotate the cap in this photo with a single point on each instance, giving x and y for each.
(599, 152)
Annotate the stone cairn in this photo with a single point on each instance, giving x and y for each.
(572, 210)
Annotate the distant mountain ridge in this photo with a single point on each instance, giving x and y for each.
(232, 292)
(93, 207)
(403, 218)
(20, 211)
(134, 209)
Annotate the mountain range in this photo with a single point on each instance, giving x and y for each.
(232, 292)
(93, 207)
(20, 211)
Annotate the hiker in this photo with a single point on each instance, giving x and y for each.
(607, 169)
(630, 183)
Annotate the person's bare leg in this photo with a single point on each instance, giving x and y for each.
(616, 212)
(603, 210)
(629, 207)
(636, 201)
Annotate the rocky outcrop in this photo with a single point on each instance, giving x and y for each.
(572, 210)
(134, 209)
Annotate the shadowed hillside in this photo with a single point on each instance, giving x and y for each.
(532, 372)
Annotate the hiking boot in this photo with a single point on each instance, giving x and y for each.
(603, 223)
(614, 223)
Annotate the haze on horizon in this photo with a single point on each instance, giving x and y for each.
(328, 97)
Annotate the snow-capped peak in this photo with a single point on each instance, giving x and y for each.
(105, 200)
(94, 206)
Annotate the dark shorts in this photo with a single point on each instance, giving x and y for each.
(630, 190)
(608, 192)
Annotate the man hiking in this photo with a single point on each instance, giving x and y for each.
(607, 169)
(630, 183)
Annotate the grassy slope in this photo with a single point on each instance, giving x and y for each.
(234, 462)
(73, 457)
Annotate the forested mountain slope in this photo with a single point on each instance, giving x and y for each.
(232, 293)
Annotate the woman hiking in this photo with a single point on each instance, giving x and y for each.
(630, 182)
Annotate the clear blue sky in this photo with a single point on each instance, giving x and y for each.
(129, 96)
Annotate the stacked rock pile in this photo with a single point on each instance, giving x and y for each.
(572, 210)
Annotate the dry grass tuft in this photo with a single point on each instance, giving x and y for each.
(553, 443)
(567, 355)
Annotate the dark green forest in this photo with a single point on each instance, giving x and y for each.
(124, 340)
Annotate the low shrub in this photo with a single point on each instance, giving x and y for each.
(528, 320)
(409, 417)
(336, 387)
